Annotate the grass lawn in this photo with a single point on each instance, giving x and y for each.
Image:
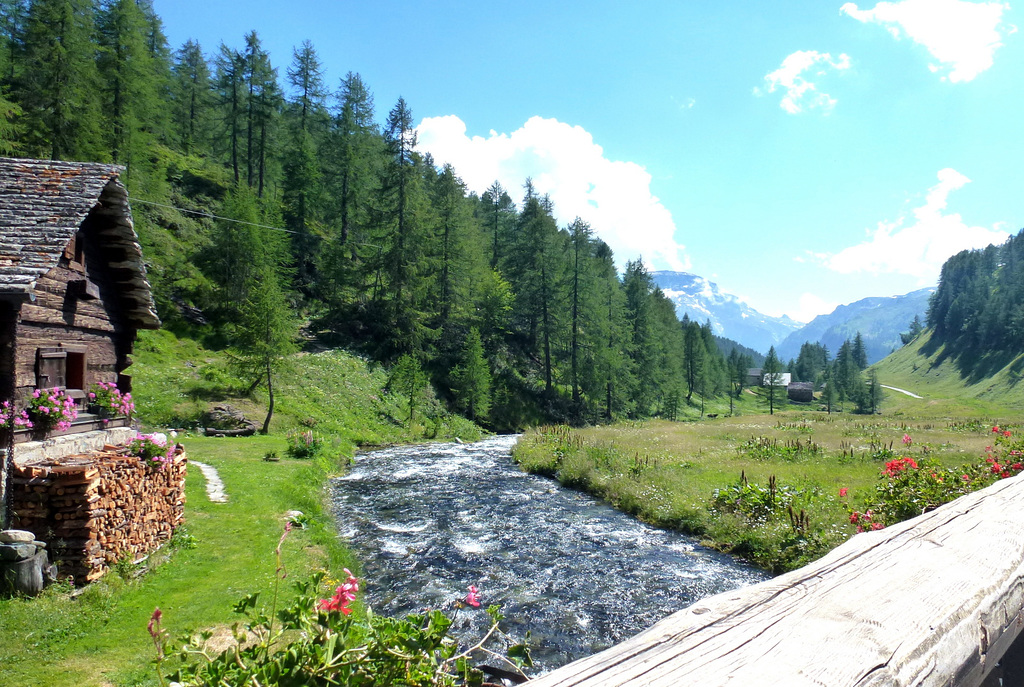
(668, 473)
(100, 638)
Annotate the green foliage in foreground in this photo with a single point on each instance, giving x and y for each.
(763, 488)
(309, 645)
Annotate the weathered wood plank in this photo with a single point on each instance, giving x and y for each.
(933, 601)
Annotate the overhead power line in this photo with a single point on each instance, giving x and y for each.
(239, 221)
(213, 216)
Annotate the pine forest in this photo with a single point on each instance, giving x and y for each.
(275, 209)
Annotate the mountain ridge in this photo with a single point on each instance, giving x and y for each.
(879, 319)
(702, 300)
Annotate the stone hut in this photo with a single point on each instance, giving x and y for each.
(73, 296)
(73, 287)
(802, 392)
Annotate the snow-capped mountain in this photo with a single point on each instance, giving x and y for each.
(879, 321)
(730, 317)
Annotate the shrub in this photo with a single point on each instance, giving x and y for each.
(909, 487)
(318, 642)
(305, 444)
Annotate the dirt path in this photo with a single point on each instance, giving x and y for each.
(214, 485)
(902, 391)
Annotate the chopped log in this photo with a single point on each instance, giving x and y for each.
(98, 508)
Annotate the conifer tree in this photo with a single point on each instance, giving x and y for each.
(58, 86)
(472, 379)
(192, 97)
(642, 346)
(262, 97)
(500, 215)
(612, 369)
(536, 269)
(452, 226)
(131, 78)
(860, 352)
(13, 19)
(230, 94)
(253, 283)
(408, 379)
(306, 77)
(774, 395)
(580, 243)
(352, 159)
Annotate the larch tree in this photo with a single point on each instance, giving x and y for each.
(472, 379)
(254, 282)
(57, 87)
(230, 99)
(191, 96)
(773, 395)
(129, 75)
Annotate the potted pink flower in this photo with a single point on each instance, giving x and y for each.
(50, 409)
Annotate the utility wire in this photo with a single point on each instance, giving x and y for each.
(239, 221)
(212, 216)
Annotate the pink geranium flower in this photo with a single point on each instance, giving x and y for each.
(473, 597)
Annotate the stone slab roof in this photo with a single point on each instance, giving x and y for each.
(44, 202)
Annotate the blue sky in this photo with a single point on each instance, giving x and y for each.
(801, 154)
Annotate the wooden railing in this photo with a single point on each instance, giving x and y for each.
(936, 600)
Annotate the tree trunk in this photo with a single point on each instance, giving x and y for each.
(270, 404)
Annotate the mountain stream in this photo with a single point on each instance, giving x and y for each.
(427, 521)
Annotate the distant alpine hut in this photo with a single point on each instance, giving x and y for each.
(73, 287)
(801, 392)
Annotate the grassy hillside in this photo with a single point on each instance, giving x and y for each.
(338, 394)
(927, 370)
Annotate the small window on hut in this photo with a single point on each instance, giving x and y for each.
(51, 368)
(60, 367)
(74, 253)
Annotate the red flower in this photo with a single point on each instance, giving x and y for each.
(1004, 475)
(473, 597)
(895, 467)
(877, 526)
(1007, 433)
(996, 430)
(344, 594)
(854, 518)
(842, 491)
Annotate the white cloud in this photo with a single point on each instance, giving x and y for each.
(962, 36)
(811, 305)
(793, 76)
(808, 307)
(565, 163)
(920, 249)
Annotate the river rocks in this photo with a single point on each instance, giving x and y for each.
(16, 537)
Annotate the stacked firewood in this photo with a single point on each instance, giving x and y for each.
(98, 508)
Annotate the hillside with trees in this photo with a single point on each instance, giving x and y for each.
(976, 316)
(278, 207)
